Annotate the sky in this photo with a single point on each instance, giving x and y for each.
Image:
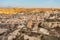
(30, 3)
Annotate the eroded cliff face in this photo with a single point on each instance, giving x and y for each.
(30, 26)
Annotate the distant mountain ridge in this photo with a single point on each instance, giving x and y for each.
(19, 10)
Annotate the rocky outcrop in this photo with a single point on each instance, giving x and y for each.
(34, 26)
